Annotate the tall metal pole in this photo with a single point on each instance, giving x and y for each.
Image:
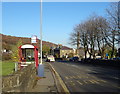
(41, 30)
(41, 66)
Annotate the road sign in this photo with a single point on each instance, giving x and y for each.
(34, 39)
(107, 54)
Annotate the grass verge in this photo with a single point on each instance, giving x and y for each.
(7, 67)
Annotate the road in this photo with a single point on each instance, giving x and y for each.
(88, 78)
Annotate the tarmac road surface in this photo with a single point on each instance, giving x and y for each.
(88, 78)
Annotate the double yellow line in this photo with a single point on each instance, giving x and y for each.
(60, 80)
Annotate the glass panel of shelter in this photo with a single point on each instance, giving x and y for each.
(28, 54)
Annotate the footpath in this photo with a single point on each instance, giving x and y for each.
(51, 83)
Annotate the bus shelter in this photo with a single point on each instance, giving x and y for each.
(28, 54)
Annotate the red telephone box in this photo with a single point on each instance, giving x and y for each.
(28, 54)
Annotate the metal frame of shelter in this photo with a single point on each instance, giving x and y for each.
(28, 46)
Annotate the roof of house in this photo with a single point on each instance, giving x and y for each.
(66, 48)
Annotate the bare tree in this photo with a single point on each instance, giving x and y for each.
(113, 19)
(75, 37)
(90, 34)
(101, 27)
(78, 37)
(83, 37)
(96, 32)
(91, 29)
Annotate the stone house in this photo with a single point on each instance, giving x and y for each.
(63, 51)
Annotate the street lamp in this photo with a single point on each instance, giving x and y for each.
(41, 66)
(41, 29)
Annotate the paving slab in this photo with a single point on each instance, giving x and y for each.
(47, 83)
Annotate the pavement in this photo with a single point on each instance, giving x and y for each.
(47, 83)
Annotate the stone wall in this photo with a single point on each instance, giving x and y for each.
(20, 81)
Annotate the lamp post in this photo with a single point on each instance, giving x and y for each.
(41, 66)
(41, 30)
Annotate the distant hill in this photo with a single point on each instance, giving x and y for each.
(9, 41)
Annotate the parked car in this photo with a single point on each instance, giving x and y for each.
(98, 57)
(50, 58)
(74, 59)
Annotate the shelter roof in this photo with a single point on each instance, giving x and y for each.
(27, 46)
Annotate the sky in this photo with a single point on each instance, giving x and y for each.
(22, 19)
